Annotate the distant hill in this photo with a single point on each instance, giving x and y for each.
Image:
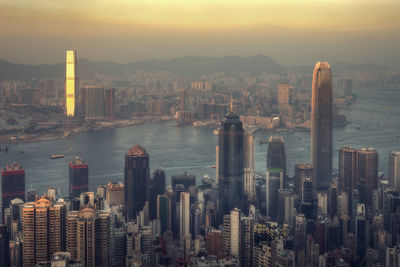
(185, 65)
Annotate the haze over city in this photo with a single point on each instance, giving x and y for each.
(199, 133)
(291, 32)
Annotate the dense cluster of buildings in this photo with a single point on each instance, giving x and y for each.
(238, 219)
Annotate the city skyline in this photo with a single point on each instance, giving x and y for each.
(179, 155)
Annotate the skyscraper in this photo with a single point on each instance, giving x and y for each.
(231, 164)
(276, 156)
(321, 125)
(347, 169)
(367, 174)
(12, 184)
(70, 83)
(78, 177)
(301, 172)
(184, 215)
(136, 177)
(156, 187)
(249, 166)
(164, 212)
(394, 169)
(272, 185)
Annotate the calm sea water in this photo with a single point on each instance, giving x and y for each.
(375, 118)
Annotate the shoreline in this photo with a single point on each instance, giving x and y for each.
(76, 130)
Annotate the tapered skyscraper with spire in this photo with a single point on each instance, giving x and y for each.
(321, 125)
(231, 163)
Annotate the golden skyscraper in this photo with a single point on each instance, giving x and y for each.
(70, 83)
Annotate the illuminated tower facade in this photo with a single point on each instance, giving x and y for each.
(321, 125)
(70, 83)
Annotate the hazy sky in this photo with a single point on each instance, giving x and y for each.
(291, 32)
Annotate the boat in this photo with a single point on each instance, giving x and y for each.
(56, 156)
(213, 166)
(216, 131)
(21, 151)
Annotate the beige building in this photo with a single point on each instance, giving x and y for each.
(115, 194)
(43, 226)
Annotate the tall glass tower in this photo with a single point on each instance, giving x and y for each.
(136, 178)
(321, 126)
(70, 83)
(231, 164)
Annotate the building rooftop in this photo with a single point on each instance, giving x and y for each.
(136, 150)
(78, 161)
(13, 167)
(115, 186)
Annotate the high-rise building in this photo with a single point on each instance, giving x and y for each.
(164, 212)
(347, 169)
(367, 174)
(78, 177)
(89, 236)
(301, 172)
(226, 234)
(333, 198)
(272, 185)
(276, 155)
(184, 215)
(361, 230)
(109, 107)
(235, 223)
(321, 125)
(156, 187)
(394, 169)
(115, 194)
(70, 83)
(246, 241)
(284, 97)
(43, 228)
(94, 102)
(136, 179)
(285, 207)
(213, 242)
(249, 172)
(231, 164)
(12, 185)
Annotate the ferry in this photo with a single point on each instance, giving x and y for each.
(56, 156)
(213, 166)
